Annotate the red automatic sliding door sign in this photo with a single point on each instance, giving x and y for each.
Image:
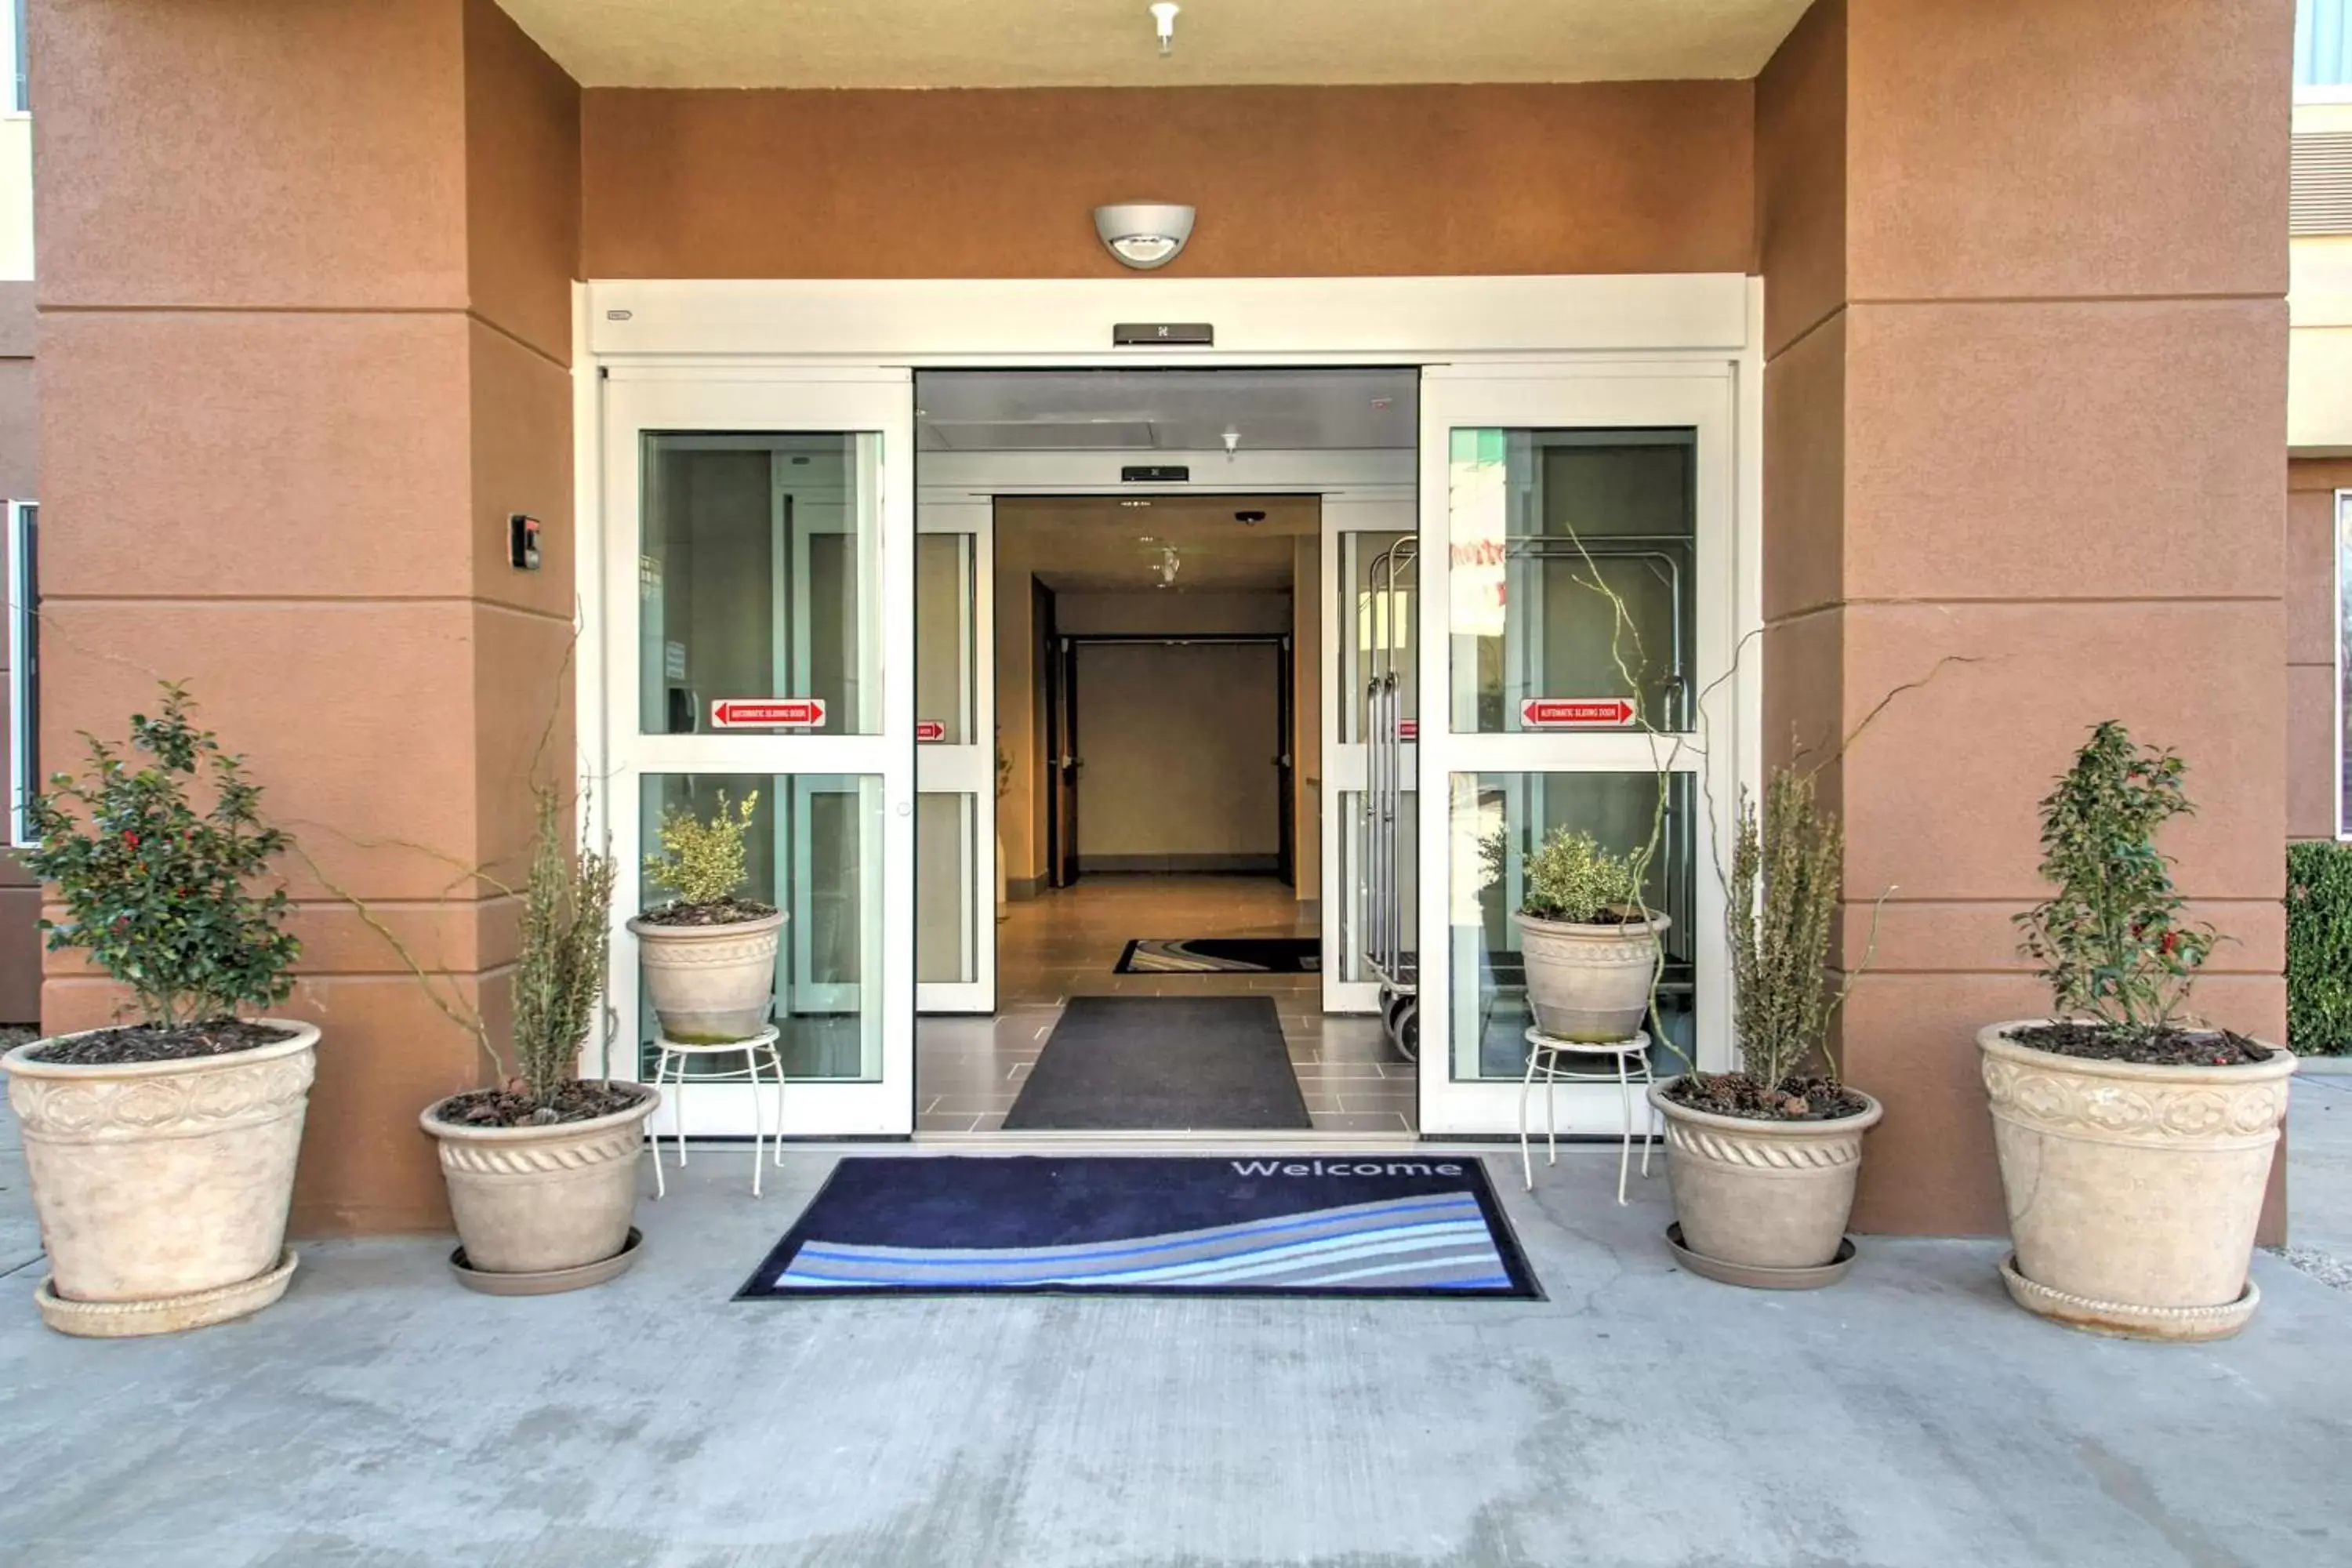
(767, 713)
(1576, 713)
(930, 730)
(1408, 729)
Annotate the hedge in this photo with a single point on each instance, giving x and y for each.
(2319, 948)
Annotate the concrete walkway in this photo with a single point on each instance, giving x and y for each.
(380, 1414)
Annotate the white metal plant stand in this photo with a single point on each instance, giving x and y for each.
(1631, 1060)
(670, 1067)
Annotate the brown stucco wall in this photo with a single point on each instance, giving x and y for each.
(2056, 255)
(1299, 181)
(2312, 484)
(304, 345)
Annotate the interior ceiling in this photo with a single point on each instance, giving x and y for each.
(1110, 42)
(1115, 544)
(1166, 411)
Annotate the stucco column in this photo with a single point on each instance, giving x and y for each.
(305, 325)
(2025, 399)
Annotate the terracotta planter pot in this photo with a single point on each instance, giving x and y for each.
(2133, 1191)
(162, 1187)
(710, 984)
(1763, 1194)
(1589, 982)
(534, 1199)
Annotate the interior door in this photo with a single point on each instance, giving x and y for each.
(1286, 769)
(1062, 760)
(757, 610)
(1578, 629)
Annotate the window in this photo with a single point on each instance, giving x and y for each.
(19, 86)
(2343, 659)
(2322, 46)
(24, 665)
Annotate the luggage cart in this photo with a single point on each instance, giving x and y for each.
(1390, 925)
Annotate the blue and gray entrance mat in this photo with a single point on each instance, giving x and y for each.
(1362, 1226)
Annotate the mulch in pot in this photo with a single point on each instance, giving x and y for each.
(725, 912)
(582, 1099)
(156, 1043)
(1790, 1099)
(2148, 1047)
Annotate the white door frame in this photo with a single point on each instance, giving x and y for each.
(752, 401)
(1702, 398)
(1347, 763)
(746, 331)
(968, 769)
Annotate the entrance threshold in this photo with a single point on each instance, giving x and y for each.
(1275, 1141)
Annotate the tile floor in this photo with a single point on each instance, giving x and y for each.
(967, 1070)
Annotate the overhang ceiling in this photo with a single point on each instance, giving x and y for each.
(1110, 42)
(1113, 544)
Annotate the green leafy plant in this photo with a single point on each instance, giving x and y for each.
(561, 968)
(702, 862)
(1787, 865)
(2319, 948)
(2111, 942)
(1570, 877)
(156, 886)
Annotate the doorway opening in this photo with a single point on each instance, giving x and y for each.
(1132, 592)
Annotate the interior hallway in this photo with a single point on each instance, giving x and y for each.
(967, 1070)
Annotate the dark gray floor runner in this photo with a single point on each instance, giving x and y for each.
(1171, 1064)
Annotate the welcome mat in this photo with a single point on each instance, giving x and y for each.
(1163, 1064)
(1363, 1225)
(1221, 955)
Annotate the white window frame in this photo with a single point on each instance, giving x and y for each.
(12, 63)
(2341, 548)
(23, 668)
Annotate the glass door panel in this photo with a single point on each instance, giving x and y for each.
(1577, 538)
(1592, 603)
(1372, 622)
(955, 758)
(759, 574)
(760, 579)
(813, 854)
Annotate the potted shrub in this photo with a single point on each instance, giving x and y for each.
(1590, 946)
(1762, 1161)
(709, 957)
(542, 1170)
(2134, 1144)
(161, 1151)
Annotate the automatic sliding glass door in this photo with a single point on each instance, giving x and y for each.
(759, 583)
(1576, 538)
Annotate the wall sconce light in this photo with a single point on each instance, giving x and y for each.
(1144, 234)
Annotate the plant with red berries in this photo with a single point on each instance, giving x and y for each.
(157, 891)
(2111, 942)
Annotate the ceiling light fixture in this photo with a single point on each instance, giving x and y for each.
(1163, 20)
